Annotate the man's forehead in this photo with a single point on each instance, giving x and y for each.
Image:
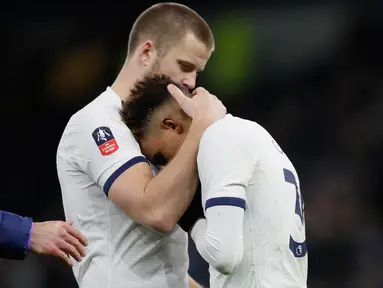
(192, 50)
(191, 57)
(195, 62)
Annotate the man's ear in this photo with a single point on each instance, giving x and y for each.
(172, 125)
(146, 53)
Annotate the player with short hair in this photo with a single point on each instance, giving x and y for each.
(108, 188)
(254, 231)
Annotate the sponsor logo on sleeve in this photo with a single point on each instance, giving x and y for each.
(105, 140)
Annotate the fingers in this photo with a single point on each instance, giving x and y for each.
(76, 243)
(77, 234)
(182, 100)
(199, 90)
(64, 257)
(177, 94)
(60, 239)
(69, 244)
(69, 250)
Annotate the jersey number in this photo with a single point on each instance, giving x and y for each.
(299, 249)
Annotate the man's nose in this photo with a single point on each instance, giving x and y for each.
(189, 81)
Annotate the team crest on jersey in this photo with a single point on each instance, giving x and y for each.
(105, 140)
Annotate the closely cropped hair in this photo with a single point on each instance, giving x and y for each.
(146, 97)
(167, 23)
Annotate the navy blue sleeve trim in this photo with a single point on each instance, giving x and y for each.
(226, 201)
(299, 249)
(121, 170)
(14, 235)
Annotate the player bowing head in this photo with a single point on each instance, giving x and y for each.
(253, 233)
(156, 119)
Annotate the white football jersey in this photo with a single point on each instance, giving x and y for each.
(239, 152)
(96, 147)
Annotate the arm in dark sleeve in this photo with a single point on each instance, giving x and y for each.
(14, 235)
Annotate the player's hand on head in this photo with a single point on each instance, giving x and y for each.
(200, 90)
(208, 107)
(203, 107)
(58, 238)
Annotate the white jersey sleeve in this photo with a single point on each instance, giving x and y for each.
(226, 163)
(111, 149)
(219, 237)
(105, 147)
(225, 169)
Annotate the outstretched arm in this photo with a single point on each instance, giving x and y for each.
(18, 235)
(15, 233)
(58, 238)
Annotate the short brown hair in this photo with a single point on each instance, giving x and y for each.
(147, 96)
(166, 23)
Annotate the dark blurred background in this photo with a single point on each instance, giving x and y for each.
(310, 72)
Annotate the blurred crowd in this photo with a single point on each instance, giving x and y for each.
(310, 74)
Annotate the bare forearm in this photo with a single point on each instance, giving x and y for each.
(173, 189)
